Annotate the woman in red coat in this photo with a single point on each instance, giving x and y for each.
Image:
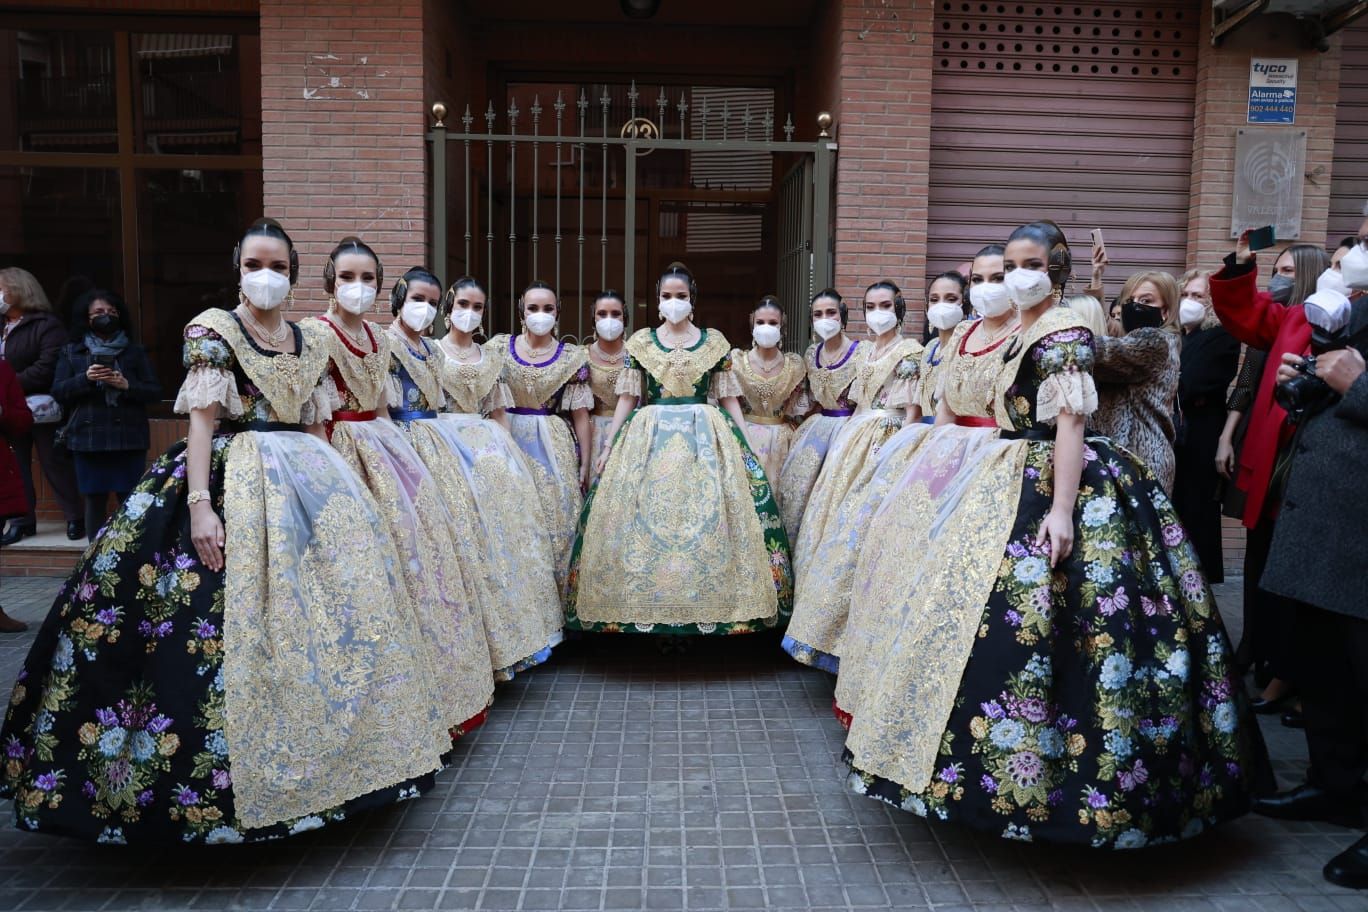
(1271, 321)
(15, 419)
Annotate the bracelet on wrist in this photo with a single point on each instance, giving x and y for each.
(195, 497)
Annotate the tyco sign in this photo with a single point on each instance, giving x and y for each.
(1273, 90)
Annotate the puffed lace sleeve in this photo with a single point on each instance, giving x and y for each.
(331, 394)
(629, 381)
(498, 397)
(1064, 365)
(319, 406)
(724, 382)
(209, 377)
(578, 393)
(904, 387)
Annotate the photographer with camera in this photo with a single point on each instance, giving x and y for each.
(1316, 556)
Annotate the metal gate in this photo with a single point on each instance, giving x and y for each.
(593, 195)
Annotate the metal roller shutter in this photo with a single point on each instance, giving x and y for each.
(1349, 173)
(1078, 113)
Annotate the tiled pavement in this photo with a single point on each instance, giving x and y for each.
(615, 778)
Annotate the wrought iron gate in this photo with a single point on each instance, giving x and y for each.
(535, 192)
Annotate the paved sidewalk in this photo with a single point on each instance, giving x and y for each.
(615, 778)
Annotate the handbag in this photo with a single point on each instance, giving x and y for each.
(44, 408)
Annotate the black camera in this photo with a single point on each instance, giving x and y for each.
(1307, 391)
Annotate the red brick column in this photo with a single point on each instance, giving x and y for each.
(343, 117)
(883, 126)
(1222, 101)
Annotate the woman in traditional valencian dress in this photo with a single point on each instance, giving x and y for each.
(549, 378)
(405, 491)
(235, 657)
(831, 364)
(886, 393)
(1048, 666)
(773, 394)
(680, 535)
(945, 301)
(606, 352)
(522, 610)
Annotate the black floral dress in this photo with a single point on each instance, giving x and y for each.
(118, 726)
(1097, 704)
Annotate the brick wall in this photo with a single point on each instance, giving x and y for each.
(883, 125)
(343, 117)
(1222, 99)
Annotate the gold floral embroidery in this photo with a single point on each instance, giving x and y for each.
(766, 396)
(930, 562)
(468, 385)
(533, 386)
(873, 374)
(829, 383)
(677, 370)
(603, 381)
(324, 698)
(423, 373)
(363, 376)
(286, 380)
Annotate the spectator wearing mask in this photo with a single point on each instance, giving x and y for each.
(33, 337)
(1137, 373)
(105, 383)
(1345, 245)
(15, 420)
(1210, 357)
(1261, 466)
(1316, 557)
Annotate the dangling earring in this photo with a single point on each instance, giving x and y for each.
(289, 297)
(332, 304)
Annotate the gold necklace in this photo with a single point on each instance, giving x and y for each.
(679, 342)
(609, 360)
(460, 354)
(359, 340)
(535, 354)
(273, 339)
(879, 353)
(768, 367)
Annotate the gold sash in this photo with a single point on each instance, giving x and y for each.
(829, 383)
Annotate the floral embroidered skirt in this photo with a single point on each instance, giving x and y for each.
(163, 702)
(549, 445)
(1094, 705)
(771, 444)
(867, 457)
(445, 603)
(681, 534)
(802, 465)
(502, 538)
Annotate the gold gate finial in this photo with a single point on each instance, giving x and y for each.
(439, 112)
(824, 122)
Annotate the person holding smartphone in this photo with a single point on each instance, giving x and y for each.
(105, 382)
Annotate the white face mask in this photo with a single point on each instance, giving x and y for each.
(1191, 311)
(539, 323)
(880, 321)
(827, 327)
(944, 315)
(1332, 280)
(265, 288)
(1027, 287)
(766, 335)
(675, 310)
(1354, 268)
(417, 315)
(466, 320)
(608, 328)
(990, 299)
(355, 297)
